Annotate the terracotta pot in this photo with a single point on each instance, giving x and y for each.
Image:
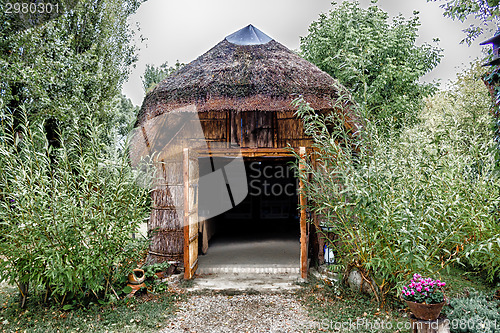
(425, 311)
(136, 277)
(136, 287)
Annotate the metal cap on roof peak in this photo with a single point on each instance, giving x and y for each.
(249, 35)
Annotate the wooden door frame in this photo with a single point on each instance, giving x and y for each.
(189, 269)
(304, 234)
(302, 202)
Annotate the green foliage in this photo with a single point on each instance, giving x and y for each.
(461, 117)
(492, 80)
(154, 75)
(475, 313)
(414, 203)
(153, 284)
(126, 116)
(484, 11)
(127, 290)
(67, 214)
(150, 270)
(69, 65)
(377, 60)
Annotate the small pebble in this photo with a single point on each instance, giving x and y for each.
(241, 313)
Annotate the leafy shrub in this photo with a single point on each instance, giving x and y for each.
(67, 214)
(461, 118)
(476, 313)
(408, 204)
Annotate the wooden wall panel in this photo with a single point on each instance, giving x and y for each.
(214, 125)
(264, 129)
(253, 129)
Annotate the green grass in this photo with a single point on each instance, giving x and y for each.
(337, 305)
(460, 283)
(332, 306)
(135, 314)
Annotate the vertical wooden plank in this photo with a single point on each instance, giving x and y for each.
(236, 128)
(190, 200)
(185, 167)
(264, 129)
(247, 127)
(243, 128)
(253, 129)
(228, 129)
(303, 221)
(193, 211)
(275, 129)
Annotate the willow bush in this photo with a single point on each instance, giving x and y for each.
(67, 212)
(414, 203)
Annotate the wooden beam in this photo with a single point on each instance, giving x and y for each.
(247, 152)
(185, 167)
(303, 220)
(228, 129)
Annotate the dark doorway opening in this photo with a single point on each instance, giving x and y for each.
(270, 208)
(264, 229)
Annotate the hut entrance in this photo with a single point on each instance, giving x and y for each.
(263, 233)
(270, 208)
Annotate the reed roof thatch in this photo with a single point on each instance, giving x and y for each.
(258, 75)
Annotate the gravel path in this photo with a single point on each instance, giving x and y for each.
(268, 313)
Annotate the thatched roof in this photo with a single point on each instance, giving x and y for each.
(247, 71)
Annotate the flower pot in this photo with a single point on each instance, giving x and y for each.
(136, 277)
(425, 311)
(136, 287)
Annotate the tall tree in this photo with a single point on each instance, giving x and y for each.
(377, 60)
(70, 65)
(154, 75)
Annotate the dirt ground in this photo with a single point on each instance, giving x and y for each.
(252, 313)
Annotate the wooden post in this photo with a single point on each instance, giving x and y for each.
(303, 221)
(185, 169)
(190, 208)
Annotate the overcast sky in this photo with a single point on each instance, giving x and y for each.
(184, 30)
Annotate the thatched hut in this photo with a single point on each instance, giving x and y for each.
(241, 91)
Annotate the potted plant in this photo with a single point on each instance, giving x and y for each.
(424, 297)
(158, 270)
